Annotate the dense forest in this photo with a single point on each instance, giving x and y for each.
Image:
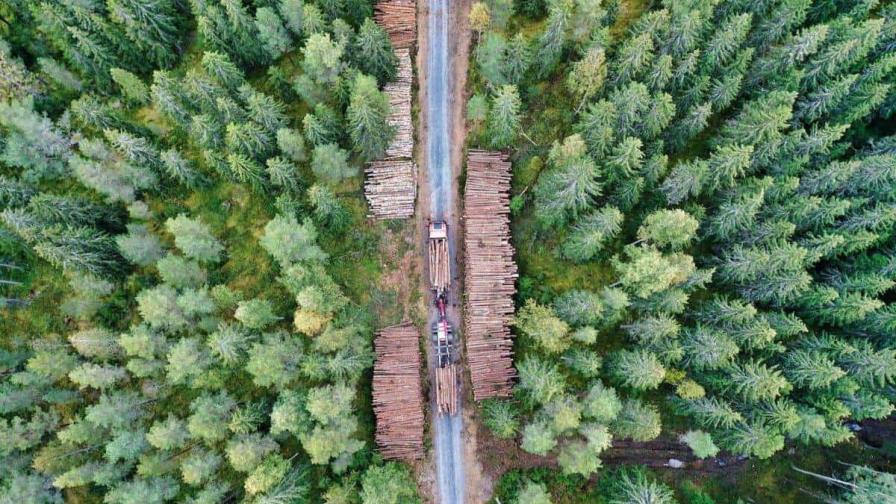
(186, 266)
(704, 215)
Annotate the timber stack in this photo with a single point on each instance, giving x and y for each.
(390, 184)
(397, 398)
(399, 19)
(399, 93)
(446, 389)
(390, 187)
(491, 274)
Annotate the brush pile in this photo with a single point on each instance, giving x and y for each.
(490, 274)
(397, 398)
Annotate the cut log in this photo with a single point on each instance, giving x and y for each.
(390, 185)
(399, 19)
(439, 265)
(446, 389)
(490, 274)
(397, 397)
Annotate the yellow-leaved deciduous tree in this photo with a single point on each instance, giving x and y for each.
(480, 18)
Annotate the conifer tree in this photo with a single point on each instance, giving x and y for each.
(373, 53)
(272, 33)
(504, 116)
(367, 115)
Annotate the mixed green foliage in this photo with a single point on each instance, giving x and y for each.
(178, 181)
(704, 217)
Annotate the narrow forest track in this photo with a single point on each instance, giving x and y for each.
(441, 194)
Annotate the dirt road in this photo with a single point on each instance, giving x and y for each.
(442, 190)
(439, 187)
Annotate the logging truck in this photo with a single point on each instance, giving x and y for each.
(439, 260)
(446, 371)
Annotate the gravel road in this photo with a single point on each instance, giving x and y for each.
(447, 430)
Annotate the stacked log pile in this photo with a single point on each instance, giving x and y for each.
(399, 19)
(446, 389)
(399, 93)
(397, 398)
(490, 274)
(390, 185)
(391, 188)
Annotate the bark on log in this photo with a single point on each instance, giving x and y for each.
(490, 274)
(390, 184)
(399, 19)
(397, 397)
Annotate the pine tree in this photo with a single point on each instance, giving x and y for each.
(367, 115)
(633, 59)
(754, 381)
(705, 348)
(637, 369)
(541, 324)
(637, 421)
(133, 89)
(587, 76)
(754, 439)
(672, 229)
(591, 233)
(538, 438)
(152, 26)
(518, 59)
(245, 170)
(541, 380)
(32, 142)
(725, 41)
(811, 369)
(322, 59)
(712, 412)
(248, 139)
(553, 39)
(179, 168)
(328, 209)
(579, 307)
(264, 110)
(631, 485)
(373, 53)
(686, 180)
(870, 366)
(323, 126)
(504, 117)
(272, 33)
(567, 188)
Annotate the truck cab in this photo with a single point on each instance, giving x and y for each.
(438, 230)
